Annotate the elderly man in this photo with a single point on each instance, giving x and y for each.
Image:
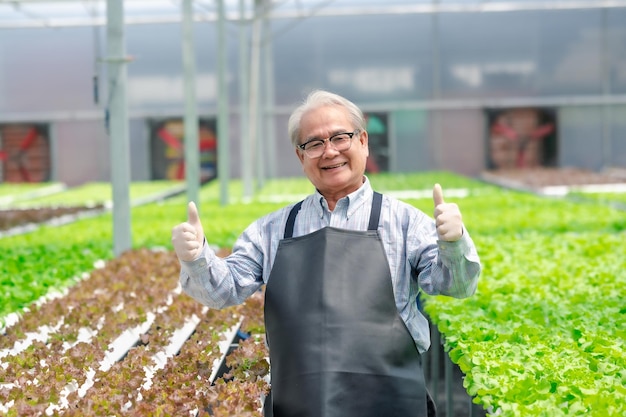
(342, 269)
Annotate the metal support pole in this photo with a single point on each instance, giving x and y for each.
(244, 92)
(192, 157)
(606, 90)
(255, 69)
(223, 153)
(118, 127)
(268, 106)
(436, 69)
(448, 378)
(434, 364)
(253, 97)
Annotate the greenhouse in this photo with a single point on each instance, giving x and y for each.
(114, 116)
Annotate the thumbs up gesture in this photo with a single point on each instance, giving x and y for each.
(188, 237)
(447, 217)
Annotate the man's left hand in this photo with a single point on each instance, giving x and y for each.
(447, 217)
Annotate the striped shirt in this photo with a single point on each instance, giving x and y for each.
(416, 258)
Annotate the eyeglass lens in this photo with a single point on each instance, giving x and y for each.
(341, 142)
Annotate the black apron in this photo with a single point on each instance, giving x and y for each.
(338, 347)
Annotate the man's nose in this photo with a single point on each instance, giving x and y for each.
(329, 148)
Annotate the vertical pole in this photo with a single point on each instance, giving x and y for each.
(259, 122)
(436, 69)
(606, 91)
(54, 154)
(244, 92)
(118, 127)
(254, 88)
(223, 154)
(192, 157)
(393, 141)
(270, 131)
(434, 364)
(448, 378)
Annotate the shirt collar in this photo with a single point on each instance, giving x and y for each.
(354, 200)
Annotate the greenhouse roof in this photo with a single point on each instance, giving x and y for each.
(67, 13)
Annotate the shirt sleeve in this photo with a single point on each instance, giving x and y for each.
(458, 267)
(222, 282)
(446, 268)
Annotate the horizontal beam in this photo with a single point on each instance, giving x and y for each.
(486, 103)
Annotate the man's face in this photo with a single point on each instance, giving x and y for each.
(335, 174)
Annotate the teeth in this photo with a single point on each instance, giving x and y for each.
(333, 166)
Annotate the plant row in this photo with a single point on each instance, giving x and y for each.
(125, 341)
(21, 196)
(544, 335)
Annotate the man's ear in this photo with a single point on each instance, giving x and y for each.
(364, 139)
(300, 155)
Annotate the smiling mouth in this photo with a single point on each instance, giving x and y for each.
(335, 166)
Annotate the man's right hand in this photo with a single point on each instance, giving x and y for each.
(188, 237)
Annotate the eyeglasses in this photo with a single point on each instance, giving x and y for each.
(314, 148)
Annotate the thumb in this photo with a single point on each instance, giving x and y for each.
(437, 195)
(194, 219)
(192, 214)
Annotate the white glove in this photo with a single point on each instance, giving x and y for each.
(188, 237)
(447, 217)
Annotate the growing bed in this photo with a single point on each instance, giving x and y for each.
(544, 335)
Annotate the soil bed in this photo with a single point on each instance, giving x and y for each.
(11, 218)
(537, 178)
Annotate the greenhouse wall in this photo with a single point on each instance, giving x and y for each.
(431, 81)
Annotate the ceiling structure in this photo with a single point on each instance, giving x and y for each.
(51, 14)
(68, 13)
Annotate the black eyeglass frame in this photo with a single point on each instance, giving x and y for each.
(329, 139)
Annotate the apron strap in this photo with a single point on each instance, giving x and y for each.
(377, 202)
(291, 220)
